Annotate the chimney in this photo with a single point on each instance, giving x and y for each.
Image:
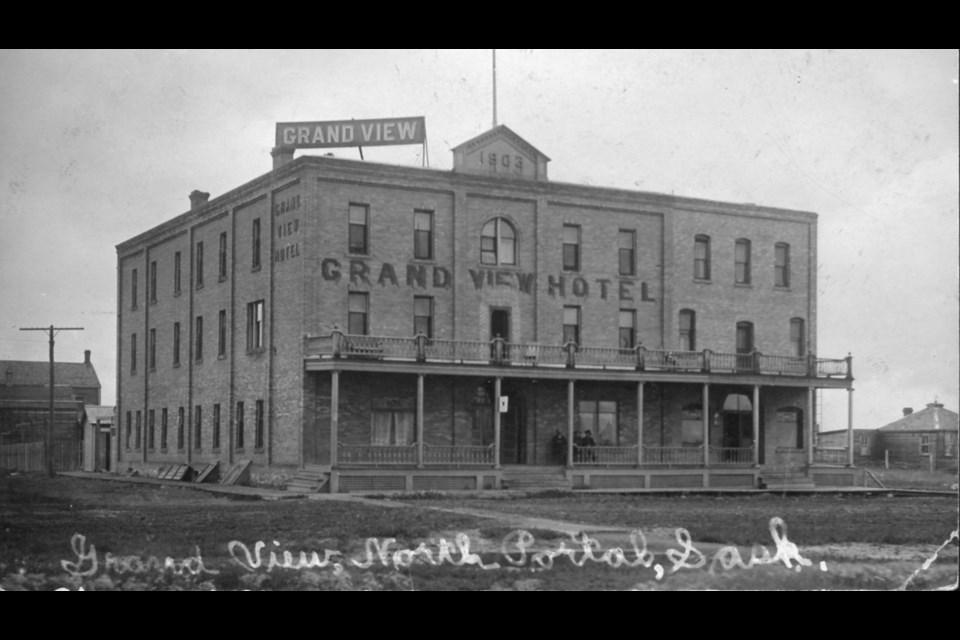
(86, 357)
(907, 411)
(281, 156)
(198, 198)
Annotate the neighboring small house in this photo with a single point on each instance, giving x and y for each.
(921, 438)
(864, 443)
(25, 411)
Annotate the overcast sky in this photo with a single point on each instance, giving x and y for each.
(96, 147)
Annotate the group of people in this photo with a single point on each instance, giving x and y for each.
(583, 446)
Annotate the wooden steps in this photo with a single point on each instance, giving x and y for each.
(209, 472)
(309, 480)
(532, 478)
(182, 472)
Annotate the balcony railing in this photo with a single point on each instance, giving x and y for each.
(499, 352)
(731, 455)
(830, 455)
(672, 455)
(376, 454)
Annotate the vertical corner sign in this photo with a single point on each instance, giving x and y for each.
(504, 404)
(351, 133)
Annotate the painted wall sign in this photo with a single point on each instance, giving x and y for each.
(351, 133)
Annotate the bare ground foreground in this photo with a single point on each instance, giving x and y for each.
(71, 533)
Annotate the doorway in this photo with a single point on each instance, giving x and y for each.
(500, 323)
(513, 428)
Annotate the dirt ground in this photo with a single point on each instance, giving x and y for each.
(105, 535)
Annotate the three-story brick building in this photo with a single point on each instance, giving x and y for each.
(390, 327)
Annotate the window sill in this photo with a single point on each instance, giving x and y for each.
(223, 357)
(743, 285)
(199, 286)
(222, 279)
(257, 351)
(255, 268)
(176, 365)
(258, 450)
(176, 294)
(780, 288)
(239, 450)
(702, 281)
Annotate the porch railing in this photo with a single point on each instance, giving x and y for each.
(830, 455)
(376, 454)
(499, 352)
(672, 455)
(731, 455)
(458, 454)
(605, 455)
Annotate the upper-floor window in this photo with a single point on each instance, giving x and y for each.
(358, 236)
(744, 337)
(216, 426)
(198, 352)
(357, 312)
(781, 268)
(197, 427)
(223, 256)
(180, 427)
(240, 429)
(571, 247)
(255, 244)
(742, 261)
(222, 334)
(626, 244)
(152, 351)
(258, 438)
(571, 325)
(255, 325)
(138, 433)
(176, 344)
(498, 242)
(628, 328)
(423, 316)
(688, 330)
(176, 273)
(153, 281)
(701, 257)
(423, 235)
(163, 429)
(797, 337)
(133, 353)
(133, 289)
(199, 265)
(151, 429)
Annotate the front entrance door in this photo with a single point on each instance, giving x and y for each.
(513, 429)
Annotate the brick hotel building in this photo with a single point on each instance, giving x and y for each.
(362, 326)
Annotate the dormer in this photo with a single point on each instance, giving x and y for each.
(500, 152)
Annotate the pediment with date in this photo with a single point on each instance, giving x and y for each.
(500, 152)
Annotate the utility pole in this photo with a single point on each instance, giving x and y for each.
(48, 439)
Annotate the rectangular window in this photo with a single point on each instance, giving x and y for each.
(571, 247)
(198, 355)
(423, 316)
(223, 256)
(256, 244)
(181, 425)
(925, 441)
(133, 353)
(152, 353)
(742, 261)
(598, 420)
(258, 426)
(949, 445)
(626, 242)
(357, 312)
(222, 334)
(423, 235)
(216, 427)
(797, 337)
(781, 269)
(139, 430)
(176, 344)
(239, 425)
(197, 428)
(133, 289)
(571, 325)
(688, 330)
(163, 429)
(151, 428)
(199, 265)
(255, 325)
(129, 430)
(392, 427)
(176, 273)
(357, 240)
(701, 258)
(628, 328)
(153, 282)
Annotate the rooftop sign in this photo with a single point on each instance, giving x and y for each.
(351, 133)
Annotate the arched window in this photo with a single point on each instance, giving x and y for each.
(701, 257)
(798, 343)
(742, 261)
(688, 330)
(498, 243)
